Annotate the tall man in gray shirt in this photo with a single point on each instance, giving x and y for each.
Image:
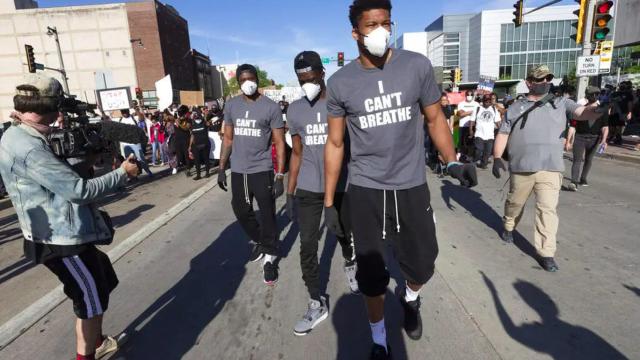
(307, 119)
(251, 122)
(535, 142)
(381, 98)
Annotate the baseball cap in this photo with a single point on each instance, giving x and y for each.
(591, 90)
(307, 61)
(540, 72)
(39, 84)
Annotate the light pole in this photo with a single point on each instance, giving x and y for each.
(583, 82)
(54, 31)
(395, 34)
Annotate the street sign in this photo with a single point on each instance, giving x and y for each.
(326, 60)
(588, 66)
(606, 54)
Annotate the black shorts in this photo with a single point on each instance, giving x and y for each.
(408, 222)
(88, 278)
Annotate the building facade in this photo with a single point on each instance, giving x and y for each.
(202, 74)
(488, 43)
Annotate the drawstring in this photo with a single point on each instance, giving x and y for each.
(395, 198)
(246, 189)
(384, 214)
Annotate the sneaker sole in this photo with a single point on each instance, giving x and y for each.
(318, 321)
(258, 258)
(271, 283)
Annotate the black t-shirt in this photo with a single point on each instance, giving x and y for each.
(591, 128)
(620, 103)
(200, 133)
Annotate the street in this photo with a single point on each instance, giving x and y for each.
(188, 292)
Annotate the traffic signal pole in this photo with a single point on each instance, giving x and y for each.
(54, 31)
(583, 81)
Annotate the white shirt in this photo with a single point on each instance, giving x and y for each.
(467, 106)
(486, 119)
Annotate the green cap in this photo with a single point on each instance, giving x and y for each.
(39, 84)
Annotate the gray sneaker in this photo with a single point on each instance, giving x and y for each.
(350, 269)
(316, 312)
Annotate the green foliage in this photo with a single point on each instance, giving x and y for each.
(232, 87)
(571, 78)
(632, 69)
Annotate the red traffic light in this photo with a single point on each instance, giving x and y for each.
(604, 7)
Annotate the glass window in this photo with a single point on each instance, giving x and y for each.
(544, 58)
(502, 59)
(525, 32)
(536, 58)
(510, 47)
(509, 60)
(516, 35)
(538, 30)
(503, 47)
(568, 43)
(545, 44)
(538, 45)
(565, 55)
(553, 30)
(509, 35)
(572, 55)
(503, 32)
(567, 29)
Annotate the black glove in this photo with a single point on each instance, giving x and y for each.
(278, 187)
(332, 220)
(289, 207)
(498, 164)
(222, 180)
(466, 173)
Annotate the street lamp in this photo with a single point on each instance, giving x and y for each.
(53, 31)
(395, 34)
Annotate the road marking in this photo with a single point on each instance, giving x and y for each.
(28, 317)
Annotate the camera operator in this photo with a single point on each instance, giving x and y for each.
(56, 209)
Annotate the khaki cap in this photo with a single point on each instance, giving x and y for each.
(593, 90)
(539, 72)
(39, 84)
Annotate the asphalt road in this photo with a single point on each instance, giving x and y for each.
(187, 291)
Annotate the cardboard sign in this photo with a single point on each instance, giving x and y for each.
(114, 99)
(192, 98)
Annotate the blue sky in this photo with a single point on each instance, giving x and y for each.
(270, 33)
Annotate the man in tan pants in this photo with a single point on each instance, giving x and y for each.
(534, 140)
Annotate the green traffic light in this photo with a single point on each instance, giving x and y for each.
(601, 34)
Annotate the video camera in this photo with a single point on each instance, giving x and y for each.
(78, 137)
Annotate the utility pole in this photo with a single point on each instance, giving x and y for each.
(583, 81)
(54, 31)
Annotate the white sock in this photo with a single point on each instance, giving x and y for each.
(268, 258)
(411, 295)
(379, 333)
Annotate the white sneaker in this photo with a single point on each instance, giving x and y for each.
(109, 345)
(350, 269)
(174, 171)
(316, 312)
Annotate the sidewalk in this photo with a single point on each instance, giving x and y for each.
(22, 283)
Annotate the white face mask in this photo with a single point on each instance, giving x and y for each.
(198, 121)
(311, 90)
(469, 98)
(249, 87)
(377, 41)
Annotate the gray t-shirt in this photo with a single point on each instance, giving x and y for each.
(384, 119)
(310, 123)
(252, 122)
(539, 145)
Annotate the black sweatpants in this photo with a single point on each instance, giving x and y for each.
(464, 145)
(584, 149)
(246, 187)
(310, 206)
(201, 156)
(484, 149)
(404, 217)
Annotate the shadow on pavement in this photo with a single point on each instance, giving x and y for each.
(350, 321)
(171, 326)
(131, 215)
(552, 336)
(472, 202)
(633, 289)
(15, 269)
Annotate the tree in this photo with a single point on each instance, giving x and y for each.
(232, 87)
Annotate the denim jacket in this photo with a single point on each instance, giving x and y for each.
(53, 203)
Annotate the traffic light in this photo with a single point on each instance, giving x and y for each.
(138, 93)
(581, 13)
(458, 75)
(518, 14)
(31, 59)
(341, 59)
(601, 21)
(452, 75)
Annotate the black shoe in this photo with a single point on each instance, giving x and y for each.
(187, 173)
(507, 236)
(584, 183)
(256, 254)
(379, 353)
(412, 319)
(197, 177)
(549, 264)
(270, 273)
(207, 175)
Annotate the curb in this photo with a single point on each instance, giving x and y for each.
(28, 317)
(620, 157)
